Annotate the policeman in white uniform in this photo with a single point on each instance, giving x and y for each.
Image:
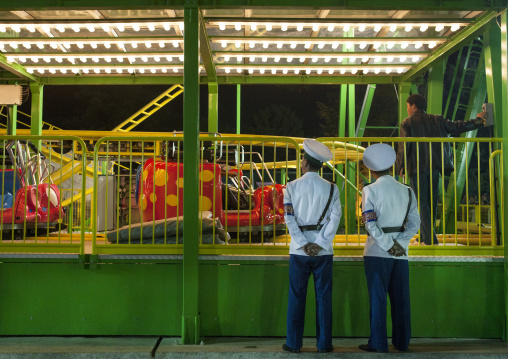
(390, 215)
(312, 212)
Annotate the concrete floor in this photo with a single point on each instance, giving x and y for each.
(225, 347)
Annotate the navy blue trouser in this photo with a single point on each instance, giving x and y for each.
(427, 226)
(388, 276)
(300, 269)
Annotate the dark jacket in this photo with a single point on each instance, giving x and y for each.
(426, 125)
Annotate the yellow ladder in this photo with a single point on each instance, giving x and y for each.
(149, 109)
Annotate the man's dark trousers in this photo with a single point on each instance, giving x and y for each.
(388, 276)
(300, 269)
(427, 222)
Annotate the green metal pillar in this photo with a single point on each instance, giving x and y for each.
(404, 90)
(12, 120)
(504, 119)
(213, 107)
(238, 107)
(36, 124)
(492, 52)
(190, 310)
(364, 114)
(351, 167)
(341, 184)
(435, 88)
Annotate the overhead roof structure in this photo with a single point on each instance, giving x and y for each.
(63, 42)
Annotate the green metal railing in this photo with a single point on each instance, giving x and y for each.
(25, 231)
(239, 166)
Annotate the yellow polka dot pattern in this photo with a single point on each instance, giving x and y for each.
(143, 202)
(172, 200)
(180, 182)
(153, 197)
(205, 204)
(206, 176)
(160, 177)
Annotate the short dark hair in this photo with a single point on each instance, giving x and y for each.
(418, 100)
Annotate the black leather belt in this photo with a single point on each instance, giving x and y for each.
(393, 229)
(311, 227)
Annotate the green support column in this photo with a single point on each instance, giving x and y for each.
(435, 88)
(36, 124)
(190, 310)
(213, 107)
(342, 133)
(350, 214)
(238, 107)
(404, 90)
(503, 119)
(492, 54)
(364, 114)
(12, 123)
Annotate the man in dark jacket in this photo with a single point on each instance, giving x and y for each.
(418, 160)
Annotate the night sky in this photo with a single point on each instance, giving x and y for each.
(285, 107)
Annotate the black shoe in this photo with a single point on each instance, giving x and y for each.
(288, 349)
(328, 350)
(367, 348)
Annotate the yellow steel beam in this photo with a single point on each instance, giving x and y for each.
(149, 109)
(57, 157)
(76, 197)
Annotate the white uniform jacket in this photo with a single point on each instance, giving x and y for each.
(384, 204)
(304, 202)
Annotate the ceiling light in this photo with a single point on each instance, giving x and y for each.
(365, 71)
(321, 45)
(27, 46)
(361, 28)
(91, 28)
(238, 44)
(331, 28)
(327, 59)
(47, 59)
(134, 45)
(354, 71)
(59, 59)
(376, 71)
(388, 71)
(279, 45)
(226, 58)
(439, 27)
(14, 45)
(136, 27)
(268, 27)
(148, 44)
(75, 28)
(223, 44)
(108, 71)
(169, 58)
(252, 58)
(307, 45)
(253, 27)
(377, 28)
(293, 45)
(302, 59)
(144, 58)
(265, 45)
(284, 27)
(389, 59)
(363, 45)
(319, 71)
(408, 27)
(289, 59)
(400, 70)
(404, 45)
(157, 58)
(314, 59)
(423, 28)
(264, 58)
(277, 59)
(238, 27)
(393, 28)
(315, 27)
(93, 45)
(415, 58)
(365, 59)
(53, 45)
(34, 59)
(346, 28)
(105, 28)
(180, 58)
(455, 27)
(274, 71)
(418, 44)
(80, 45)
(330, 71)
(97, 71)
(161, 44)
(335, 45)
(30, 28)
(120, 27)
(222, 26)
(432, 44)
(299, 27)
(141, 71)
(297, 71)
(339, 59)
(307, 71)
(342, 71)
(2, 28)
(40, 45)
(151, 27)
(16, 28)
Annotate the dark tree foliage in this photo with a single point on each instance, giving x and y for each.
(275, 120)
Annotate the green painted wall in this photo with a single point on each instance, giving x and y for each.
(246, 298)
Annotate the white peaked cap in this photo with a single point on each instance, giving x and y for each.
(379, 157)
(317, 150)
